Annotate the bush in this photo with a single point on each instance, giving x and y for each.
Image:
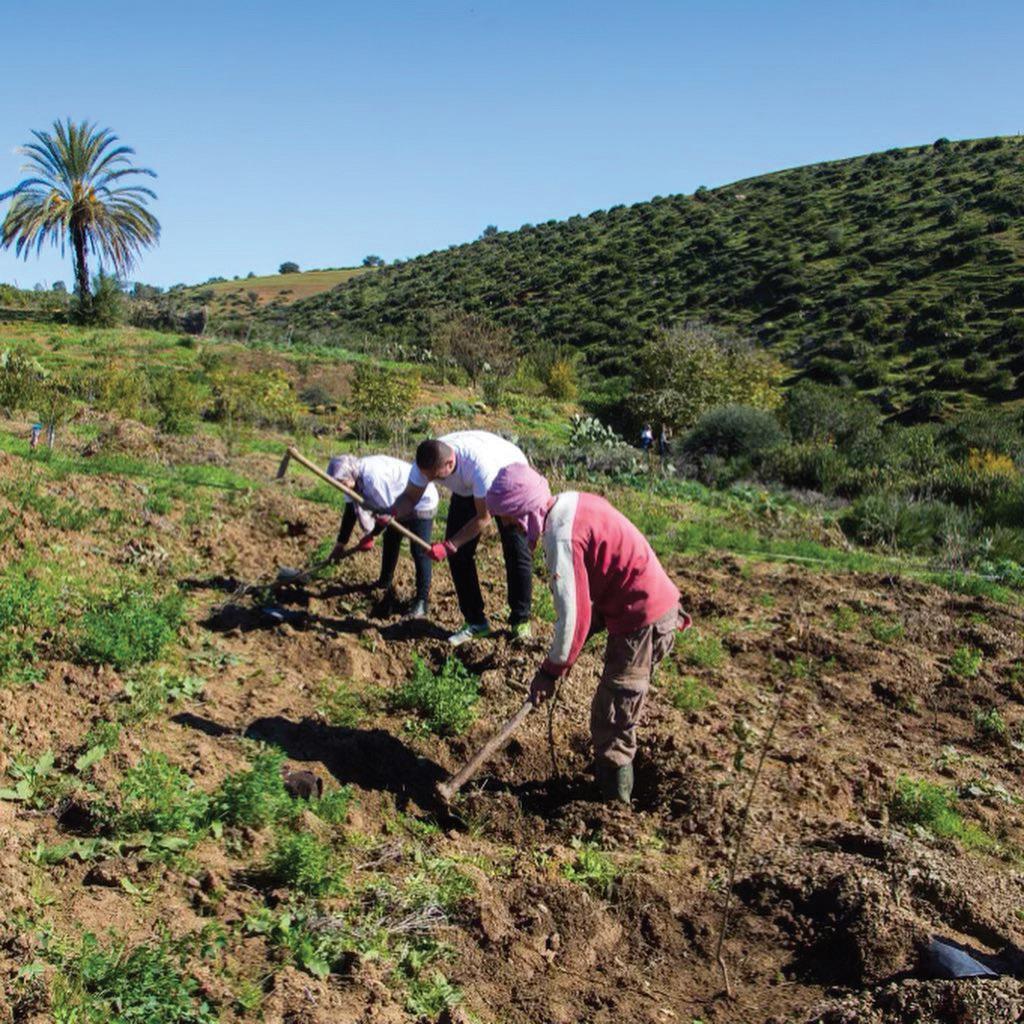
(288, 267)
(104, 307)
(263, 398)
(733, 430)
(131, 629)
(256, 797)
(809, 465)
(894, 521)
(381, 401)
(178, 401)
(19, 378)
(443, 700)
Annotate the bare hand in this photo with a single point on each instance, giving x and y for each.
(542, 688)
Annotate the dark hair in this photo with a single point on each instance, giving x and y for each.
(430, 454)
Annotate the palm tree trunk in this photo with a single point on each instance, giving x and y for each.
(81, 268)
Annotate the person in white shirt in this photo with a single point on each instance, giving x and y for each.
(381, 480)
(466, 462)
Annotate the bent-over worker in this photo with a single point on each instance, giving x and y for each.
(381, 480)
(466, 462)
(603, 575)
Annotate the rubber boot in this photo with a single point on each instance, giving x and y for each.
(615, 782)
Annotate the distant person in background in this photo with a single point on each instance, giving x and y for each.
(381, 480)
(603, 575)
(646, 437)
(466, 462)
(663, 437)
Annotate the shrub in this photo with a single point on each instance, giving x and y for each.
(288, 267)
(159, 797)
(178, 401)
(262, 398)
(381, 401)
(130, 629)
(894, 521)
(733, 430)
(809, 465)
(443, 700)
(693, 368)
(19, 377)
(305, 863)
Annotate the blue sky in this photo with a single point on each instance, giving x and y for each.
(321, 132)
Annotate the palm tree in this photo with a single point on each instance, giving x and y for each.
(74, 194)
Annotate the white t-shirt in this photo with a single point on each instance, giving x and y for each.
(479, 457)
(381, 482)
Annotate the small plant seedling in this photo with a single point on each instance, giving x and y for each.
(965, 662)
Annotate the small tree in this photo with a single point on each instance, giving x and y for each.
(60, 287)
(692, 368)
(288, 268)
(489, 232)
(373, 261)
(475, 344)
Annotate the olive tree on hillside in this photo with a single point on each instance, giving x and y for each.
(691, 368)
(76, 194)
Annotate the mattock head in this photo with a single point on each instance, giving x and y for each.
(283, 468)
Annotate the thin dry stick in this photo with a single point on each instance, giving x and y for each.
(551, 732)
(739, 841)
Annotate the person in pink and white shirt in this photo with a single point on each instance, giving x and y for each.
(603, 575)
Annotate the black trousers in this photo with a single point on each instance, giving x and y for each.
(518, 566)
(391, 545)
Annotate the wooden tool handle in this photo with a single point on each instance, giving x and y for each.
(354, 495)
(450, 787)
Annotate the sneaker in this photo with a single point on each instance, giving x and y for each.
(521, 631)
(418, 610)
(470, 631)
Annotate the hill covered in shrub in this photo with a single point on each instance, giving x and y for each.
(901, 273)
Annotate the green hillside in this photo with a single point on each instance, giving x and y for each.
(897, 272)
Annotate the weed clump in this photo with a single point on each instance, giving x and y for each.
(444, 700)
(990, 725)
(303, 862)
(157, 796)
(965, 662)
(255, 797)
(592, 868)
(131, 629)
(933, 808)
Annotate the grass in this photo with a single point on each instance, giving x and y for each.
(885, 631)
(685, 693)
(700, 650)
(444, 701)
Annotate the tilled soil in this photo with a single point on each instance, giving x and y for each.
(833, 904)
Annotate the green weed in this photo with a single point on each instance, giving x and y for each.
(444, 700)
(687, 693)
(339, 706)
(845, 618)
(132, 628)
(430, 997)
(303, 862)
(158, 796)
(965, 662)
(591, 868)
(990, 725)
(885, 630)
(699, 650)
(121, 984)
(933, 807)
(255, 797)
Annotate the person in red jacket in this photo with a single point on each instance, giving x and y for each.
(603, 575)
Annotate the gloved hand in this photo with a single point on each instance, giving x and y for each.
(383, 519)
(366, 544)
(542, 687)
(441, 550)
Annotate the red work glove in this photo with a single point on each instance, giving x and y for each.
(383, 519)
(366, 544)
(542, 687)
(441, 550)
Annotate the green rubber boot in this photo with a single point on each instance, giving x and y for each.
(615, 783)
